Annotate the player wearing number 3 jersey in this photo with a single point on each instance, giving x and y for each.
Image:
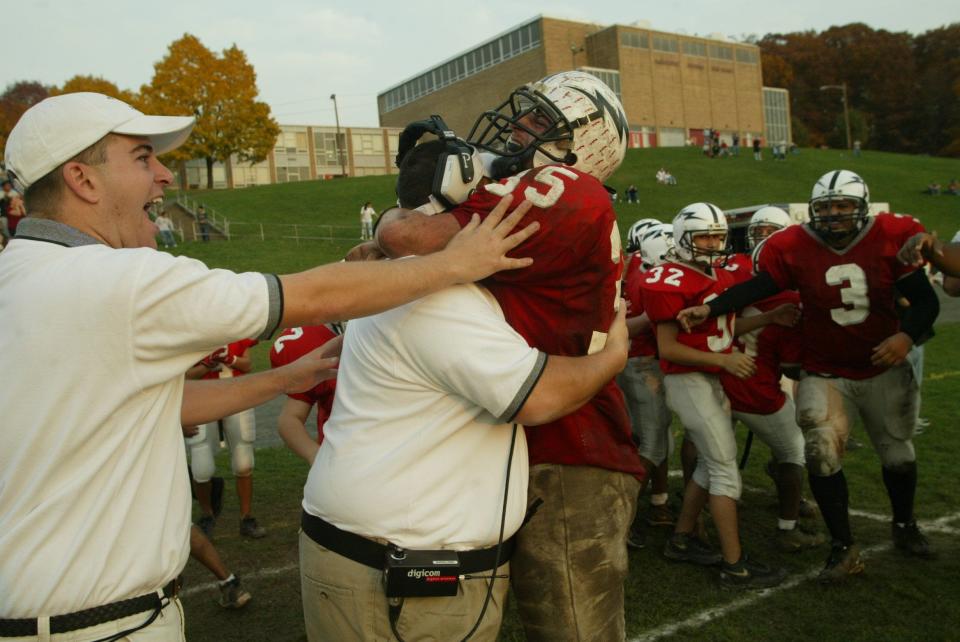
(843, 264)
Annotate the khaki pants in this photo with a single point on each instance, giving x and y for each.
(344, 600)
(168, 627)
(571, 558)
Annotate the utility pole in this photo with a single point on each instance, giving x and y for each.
(846, 108)
(340, 153)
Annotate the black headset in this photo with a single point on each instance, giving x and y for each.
(458, 168)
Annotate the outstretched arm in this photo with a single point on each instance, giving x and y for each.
(212, 399)
(732, 300)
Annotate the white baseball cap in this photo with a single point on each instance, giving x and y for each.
(58, 128)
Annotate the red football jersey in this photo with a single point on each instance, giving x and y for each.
(294, 343)
(645, 343)
(671, 287)
(848, 295)
(771, 347)
(565, 302)
(740, 266)
(235, 349)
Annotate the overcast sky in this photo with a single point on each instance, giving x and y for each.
(303, 51)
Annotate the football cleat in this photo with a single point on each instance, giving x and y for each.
(250, 528)
(842, 562)
(660, 516)
(796, 539)
(206, 524)
(232, 595)
(684, 547)
(750, 574)
(908, 539)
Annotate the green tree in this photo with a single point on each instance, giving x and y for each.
(221, 91)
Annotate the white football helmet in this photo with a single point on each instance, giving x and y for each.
(655, 245)
(571, 117)
(768, 216)
(636, 231)
(695, 220)
(838, 185)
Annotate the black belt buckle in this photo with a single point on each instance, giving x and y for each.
(421, 573)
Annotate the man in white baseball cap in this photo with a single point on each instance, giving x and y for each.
(99, 328)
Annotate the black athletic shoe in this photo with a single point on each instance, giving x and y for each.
(684, 547)
(206, 524)
(637, 537)
(910, 541)
(250, 528)
(842, 562)
(216, 495)
(750, 574)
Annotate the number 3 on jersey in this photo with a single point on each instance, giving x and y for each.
(853, 294)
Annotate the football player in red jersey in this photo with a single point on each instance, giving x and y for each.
(691, 363)
(844, 265)
(292, 344)
(641, 381)
(240, 431)
(760, 402)
(568, 131)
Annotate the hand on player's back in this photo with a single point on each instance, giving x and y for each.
(481, 248)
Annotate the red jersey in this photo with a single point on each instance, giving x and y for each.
(565, 302)
(235, 350)
(294, 343)
(645, 343)
(849, 303)
(671, 287)
(771, 347)
(740, 266)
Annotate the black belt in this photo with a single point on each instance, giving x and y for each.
(373, 554)
(17, 627)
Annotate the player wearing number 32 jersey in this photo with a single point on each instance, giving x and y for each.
(844, 265)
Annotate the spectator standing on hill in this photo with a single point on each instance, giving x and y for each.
(632, 195)
(735, 148)
(757, 153)
(165, 225)
(203, 223)
(366, 221)
(100, 523)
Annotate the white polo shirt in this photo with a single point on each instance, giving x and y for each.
(415, 450)
(94, 341)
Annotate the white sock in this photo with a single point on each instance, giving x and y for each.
(786, 524)
(659, 499)
(228, 580)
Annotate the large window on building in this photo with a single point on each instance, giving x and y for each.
(776, 115)
(505, 47)
(635, 39)
(325, 147)
(748, 56)
(721, 52)
(694, 48)
(665, 43)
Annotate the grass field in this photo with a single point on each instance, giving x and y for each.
(895, 599)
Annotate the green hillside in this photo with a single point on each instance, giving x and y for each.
(729, 183)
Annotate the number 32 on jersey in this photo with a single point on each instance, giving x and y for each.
(716, 342)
